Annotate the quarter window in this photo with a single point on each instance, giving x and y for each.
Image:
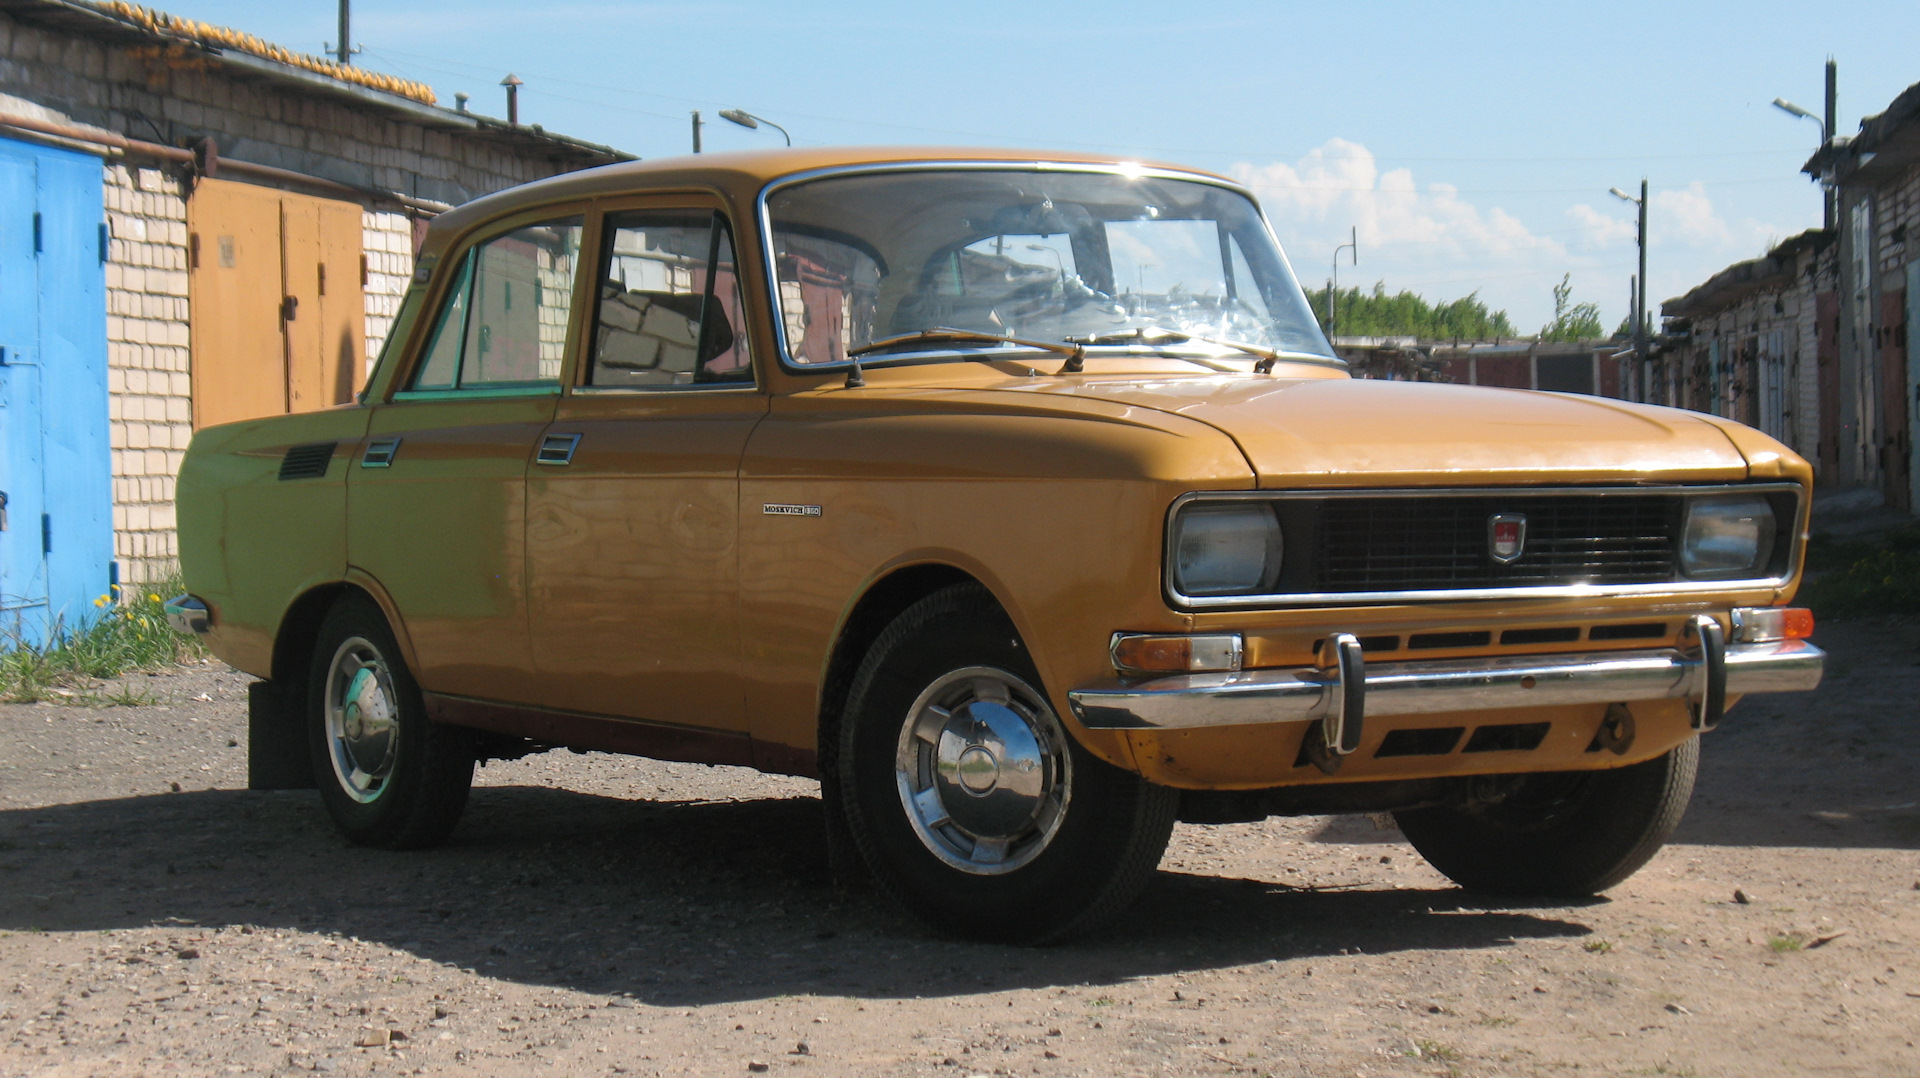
(670, 311)
(504, 322)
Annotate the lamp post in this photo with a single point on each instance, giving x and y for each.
(1829, 201)
(1333, 283)
(1058, 261)
(749, 120)
(1640, 291)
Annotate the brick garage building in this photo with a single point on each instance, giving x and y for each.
(260, 211)
(1756, 343)
(1877, 175)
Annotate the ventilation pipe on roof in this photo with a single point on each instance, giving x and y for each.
(460, 102)
(513, 85)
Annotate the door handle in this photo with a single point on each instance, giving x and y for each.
(557, 449)
(289, 306)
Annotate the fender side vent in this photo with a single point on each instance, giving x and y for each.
(307, 461)
(1435, 742)
(1514, 737)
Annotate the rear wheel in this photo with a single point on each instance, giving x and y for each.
(1561, 834)
(967, 798)
(388, 776)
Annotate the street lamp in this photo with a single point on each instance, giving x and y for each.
(1829, 202)
(1640, 290)
(749, 120)
(1059, 261)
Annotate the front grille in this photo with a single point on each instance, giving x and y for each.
(1441, 542)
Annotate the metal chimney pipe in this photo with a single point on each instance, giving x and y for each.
(696, 130)
(460, 102)
(346, 37)
(513, 97)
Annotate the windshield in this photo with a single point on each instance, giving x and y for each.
(1050, 256)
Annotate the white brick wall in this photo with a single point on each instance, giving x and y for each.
(149, 384)
(389, 248)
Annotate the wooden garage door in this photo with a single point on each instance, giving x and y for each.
(277, 310)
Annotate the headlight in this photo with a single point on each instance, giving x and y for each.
(1728, 536)
(1225, 548)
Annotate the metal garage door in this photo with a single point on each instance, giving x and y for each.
(276, 302)
(56, 548)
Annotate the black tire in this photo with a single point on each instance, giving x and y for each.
(1091, 834)
(388, 776)
(1565, 834)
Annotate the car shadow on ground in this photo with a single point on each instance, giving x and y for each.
(673, 903)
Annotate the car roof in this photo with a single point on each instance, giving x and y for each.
(740, 176)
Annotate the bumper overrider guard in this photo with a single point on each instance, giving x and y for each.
(1703, 671)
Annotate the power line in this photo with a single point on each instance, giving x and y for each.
(476, 70)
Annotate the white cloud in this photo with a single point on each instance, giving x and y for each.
(1602, 229)
(1341, 183)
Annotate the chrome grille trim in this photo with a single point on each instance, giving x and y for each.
(1793, 530)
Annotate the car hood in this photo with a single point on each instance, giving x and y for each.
(1323, 432)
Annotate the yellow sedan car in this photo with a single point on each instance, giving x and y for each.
(1020, 500)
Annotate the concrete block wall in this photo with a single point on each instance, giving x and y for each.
(149, 380)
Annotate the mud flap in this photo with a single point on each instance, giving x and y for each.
(276, 739)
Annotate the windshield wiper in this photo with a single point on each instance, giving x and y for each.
(1076, 353)
(1151, 335)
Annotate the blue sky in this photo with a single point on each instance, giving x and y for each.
(1471, 144)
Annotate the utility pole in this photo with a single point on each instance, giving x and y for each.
(1640, 351)
(1640, 295)
(696, 130)
(1333, 283)
(1831, 200)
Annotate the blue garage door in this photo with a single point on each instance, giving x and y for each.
(56, 526)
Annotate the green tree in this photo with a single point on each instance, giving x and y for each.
(1377, 314)
(1571, 321)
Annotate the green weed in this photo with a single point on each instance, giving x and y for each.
(1429, 1049)
(131, 634)
(1597, 946)
(1787, 943)
(1877, 575)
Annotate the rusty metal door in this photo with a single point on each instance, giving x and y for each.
(1826, 308)
(275, 301)
(1896, 451)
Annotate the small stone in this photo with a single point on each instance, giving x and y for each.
(1053, 1033)
(756, 1066)
(232, 744)
(1051, 1054)
(186, 952)
(1741, 897)
(1540, 989)
(373, 1038)
(801, 1049)
(1678, 1009)
(174, 786)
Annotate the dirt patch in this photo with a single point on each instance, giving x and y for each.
(604, 915)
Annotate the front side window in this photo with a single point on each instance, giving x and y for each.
(670, 312)
(1090, 257)
(504, 321)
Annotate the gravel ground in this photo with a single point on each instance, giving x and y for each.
(602, 915)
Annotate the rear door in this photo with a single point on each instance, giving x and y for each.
(437, 497)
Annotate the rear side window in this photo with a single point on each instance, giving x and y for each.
(504, 320)
(669, 312)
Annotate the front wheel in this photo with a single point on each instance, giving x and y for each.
(388, 776)
(1558, 834)
(967, 798)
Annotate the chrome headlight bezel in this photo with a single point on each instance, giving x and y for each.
(1246, 545)
(1728, 536)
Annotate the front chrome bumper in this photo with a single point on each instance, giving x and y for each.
(1422, 688)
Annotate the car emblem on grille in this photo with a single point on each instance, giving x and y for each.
(1506, 537)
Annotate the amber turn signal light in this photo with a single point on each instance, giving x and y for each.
(1139, 653)
(1766, 624)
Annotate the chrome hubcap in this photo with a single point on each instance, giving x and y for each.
(983, 771)
(362, 719)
